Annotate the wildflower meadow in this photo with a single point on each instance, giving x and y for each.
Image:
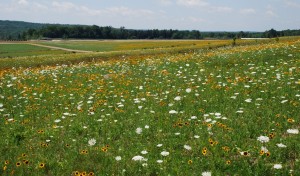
(221, 111)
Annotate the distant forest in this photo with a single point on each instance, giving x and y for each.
(12, 30)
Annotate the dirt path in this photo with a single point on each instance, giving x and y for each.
(60, 48)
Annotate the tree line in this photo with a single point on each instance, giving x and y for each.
(108, 32)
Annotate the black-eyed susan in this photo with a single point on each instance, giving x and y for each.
(104, 149)
(6, 162)
(290, 120)
(272, 135)
(84, 152)
(40, 131)
(26, 162)
(41, 165)
(261, 152)
(268, 154)
(180, 124)
(4, 168)
(190, 162)
(228, 162)
(76, 173)
(91, 174)
(18, 164)
(245, 153)
(226, 148)
(24, 155)
(204, 151)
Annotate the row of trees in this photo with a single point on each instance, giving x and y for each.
(108, 32)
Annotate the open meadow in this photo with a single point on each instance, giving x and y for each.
(187, 108)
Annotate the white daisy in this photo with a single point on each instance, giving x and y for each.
(206, 173)
(92, 142)
(159, 161)
(138, 158)
(164, 153)
(173, 112)
(277, 166)
(178, 98)
(144, 152)
(187, 147)
(293, 131)
(188, 90)
(281, 145)
(263, 139)
(118, 158)
(139, 130)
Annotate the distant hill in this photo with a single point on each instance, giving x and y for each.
(13, 29)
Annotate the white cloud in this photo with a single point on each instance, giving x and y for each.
(125, 11)
(23, 2)
(63, 6)
(192, 3)
(220, 9)
(271, 13)
(165, 2)
(292, 3)
(203, 5)
(247, 11)
(196, 20)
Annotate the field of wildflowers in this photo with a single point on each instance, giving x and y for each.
(226, 111)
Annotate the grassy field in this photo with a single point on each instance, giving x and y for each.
(121, 45)
(224, 111)
(18, 49)
(26, 55)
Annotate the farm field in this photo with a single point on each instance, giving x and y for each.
(121, 45)
(219, 111)
(18, 49)
(38, 53)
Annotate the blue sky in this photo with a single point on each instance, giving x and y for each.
(203, 15)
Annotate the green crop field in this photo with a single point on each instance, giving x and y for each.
(17, 50)
(219, 111)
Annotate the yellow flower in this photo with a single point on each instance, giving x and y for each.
(41, 165)
(18, 164)
(104, 149)
(84, 152)
(261, 152)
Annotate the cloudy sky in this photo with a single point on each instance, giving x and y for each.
(203, 15)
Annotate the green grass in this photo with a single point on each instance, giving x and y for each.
(223, 99)
(17, 50)
(114, 50)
